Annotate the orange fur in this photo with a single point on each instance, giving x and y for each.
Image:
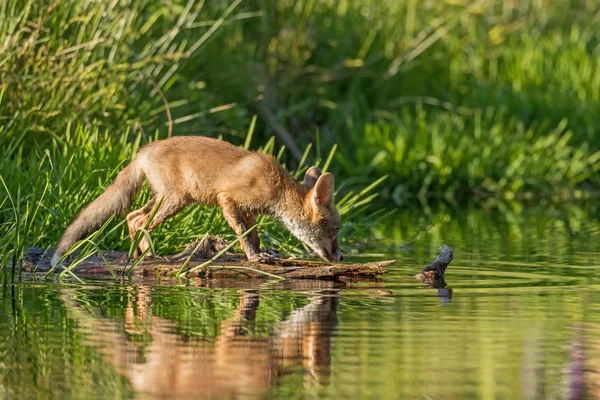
(194, 169)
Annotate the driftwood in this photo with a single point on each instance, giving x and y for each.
(227, 265)
(433, 274)
(435, 271)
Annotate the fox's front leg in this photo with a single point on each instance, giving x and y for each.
(250, 221)
(238, 221)
(266, 255)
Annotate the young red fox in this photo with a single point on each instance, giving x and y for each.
(187, 169)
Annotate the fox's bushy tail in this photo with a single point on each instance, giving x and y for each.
(117, 198)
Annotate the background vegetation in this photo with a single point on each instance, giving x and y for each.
(455, 97)
(461, 99)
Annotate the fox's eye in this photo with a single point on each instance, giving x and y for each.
(336, 230)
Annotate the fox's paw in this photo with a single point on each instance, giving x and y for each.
(264, 257)
(57, 269)
(272, 252)
(267, 258)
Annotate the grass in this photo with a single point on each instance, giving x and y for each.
(439, 153)
(455, 99)
(500, 77)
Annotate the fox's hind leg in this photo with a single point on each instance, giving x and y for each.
(132, 219)
(170, 206)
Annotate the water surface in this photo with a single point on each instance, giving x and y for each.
(519, 318)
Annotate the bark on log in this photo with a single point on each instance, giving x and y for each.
(37, 259)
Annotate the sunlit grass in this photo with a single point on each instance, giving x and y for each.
(433, 153)
(498, 75)
(463, 100)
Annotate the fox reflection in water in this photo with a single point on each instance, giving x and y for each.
(237, 362)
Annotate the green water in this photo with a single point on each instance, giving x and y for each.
(522, 320)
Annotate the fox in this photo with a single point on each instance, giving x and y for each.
(196, 169)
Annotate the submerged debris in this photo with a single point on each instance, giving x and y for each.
(434, 272)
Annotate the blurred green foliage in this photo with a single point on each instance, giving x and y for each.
(459, 98)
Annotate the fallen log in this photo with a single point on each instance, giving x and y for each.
(227, 265)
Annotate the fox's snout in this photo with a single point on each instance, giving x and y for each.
(337, 257)
(331, 253)
(319, 222)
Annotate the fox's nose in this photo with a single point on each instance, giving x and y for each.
(341, 257)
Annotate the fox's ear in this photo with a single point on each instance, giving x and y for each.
(323, 191)
(311, 176)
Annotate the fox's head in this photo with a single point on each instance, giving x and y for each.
(320, 222)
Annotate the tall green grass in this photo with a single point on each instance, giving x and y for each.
(435, 153)
(460, 98)
(93, 63)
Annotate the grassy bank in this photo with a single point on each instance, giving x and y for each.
(458, 98)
